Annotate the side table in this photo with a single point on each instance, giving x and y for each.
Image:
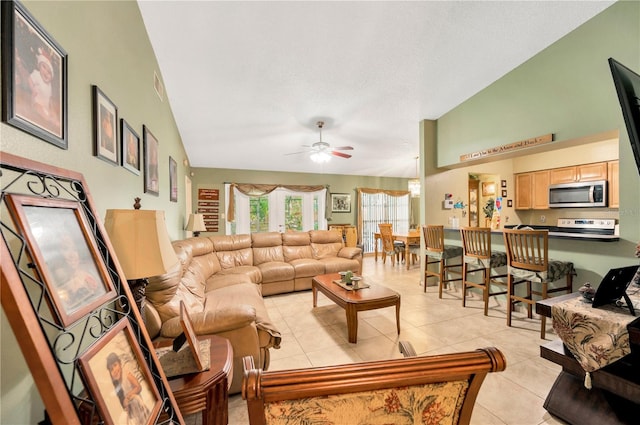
(206, 391)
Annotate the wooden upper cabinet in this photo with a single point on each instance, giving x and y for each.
(532, 190)
(541, 190)
(613, 176)
(579, 173)
(524, 193)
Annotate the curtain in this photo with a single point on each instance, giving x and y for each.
(381, 206)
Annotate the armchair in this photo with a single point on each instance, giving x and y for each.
(443, 387)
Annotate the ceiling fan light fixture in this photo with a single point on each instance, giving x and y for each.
(320, 157)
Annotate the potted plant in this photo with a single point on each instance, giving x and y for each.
(488, 208)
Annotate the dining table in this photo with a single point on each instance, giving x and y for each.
(409, 238)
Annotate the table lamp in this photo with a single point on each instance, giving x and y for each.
(196, 224)
(142, 246)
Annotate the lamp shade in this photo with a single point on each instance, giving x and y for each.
(141, 242)
(196, 223)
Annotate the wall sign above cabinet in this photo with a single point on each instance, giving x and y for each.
(522, 144)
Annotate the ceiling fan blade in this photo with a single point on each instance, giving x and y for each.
(296, 153)
(344, 148)
(340, 154)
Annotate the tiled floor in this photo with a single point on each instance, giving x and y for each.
(316, 337)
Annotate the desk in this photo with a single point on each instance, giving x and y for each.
(411, 238)
(206, 391)
(616, 387)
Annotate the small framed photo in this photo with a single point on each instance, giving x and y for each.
(173, 180)
(151, 171)
(105, 127)
(504, 193)
(341, 202)
(65, 254)
(488, 188)
(119, 380)
(130, 147)
(503, 183)
(192, 339)
(509, 203)
(34, 77)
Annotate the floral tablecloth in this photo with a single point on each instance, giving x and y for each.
(596, 337)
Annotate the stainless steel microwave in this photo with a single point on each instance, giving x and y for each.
(578, 195)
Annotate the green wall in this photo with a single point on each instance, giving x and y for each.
(567, 90)
(107, 45)
(216, 178)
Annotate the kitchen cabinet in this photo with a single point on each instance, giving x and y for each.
(613, 176)
(532, 190)
(579, 173)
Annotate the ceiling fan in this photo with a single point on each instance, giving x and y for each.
(321, 151)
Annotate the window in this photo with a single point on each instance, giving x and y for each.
(382, 207)
(280, 210)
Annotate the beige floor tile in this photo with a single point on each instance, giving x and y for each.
(318, 337)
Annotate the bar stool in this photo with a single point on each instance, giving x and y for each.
(528, 261)
(478, 257)
(440, 253)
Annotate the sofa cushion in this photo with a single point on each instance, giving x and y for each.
(252, 272)
(276, 271)
(337, 264)
(267, 247)
(296, 245)
(229, 297)
(325, 244)
(307, 267)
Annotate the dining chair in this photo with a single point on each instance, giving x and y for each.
(388, 245)
(440, 254)
(477, 256)
(528, 262)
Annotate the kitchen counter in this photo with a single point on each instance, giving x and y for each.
(554, 233)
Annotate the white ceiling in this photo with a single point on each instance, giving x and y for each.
(248, 81)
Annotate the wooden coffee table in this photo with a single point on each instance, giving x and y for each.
(353, 301)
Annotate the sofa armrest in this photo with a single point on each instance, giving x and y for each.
(350, 252)
(212, 322)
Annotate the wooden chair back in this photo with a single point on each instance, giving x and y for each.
(476, 242)
(386, 234)
(358, 392)
(433, 237)
(527, 249)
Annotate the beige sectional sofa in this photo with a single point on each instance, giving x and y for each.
(222, 281)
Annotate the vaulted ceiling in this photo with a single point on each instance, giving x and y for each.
(248, 81)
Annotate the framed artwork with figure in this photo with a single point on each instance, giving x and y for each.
(34, 77)
(64, 254)
(341, 202)
(151, 170)
(119, 380)
(130, 147)
(105, 127)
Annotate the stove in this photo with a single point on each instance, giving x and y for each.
(592, 228)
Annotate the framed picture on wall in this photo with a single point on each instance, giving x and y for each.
(173, 180)
(488, 188)
(151, 171)
(34, 72)
(119, 379)
(62, 247)
(130, 147)
(105, 125)
(341, 202)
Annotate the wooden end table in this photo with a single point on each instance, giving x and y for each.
(206, 391)
(374, 297)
